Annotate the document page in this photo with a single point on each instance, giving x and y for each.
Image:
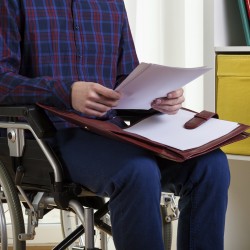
(169, 130)
(150, 81)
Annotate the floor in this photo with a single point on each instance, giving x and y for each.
(40, 248)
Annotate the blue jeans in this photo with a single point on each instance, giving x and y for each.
(133, 178)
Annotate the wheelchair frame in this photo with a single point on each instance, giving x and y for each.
(18, 186)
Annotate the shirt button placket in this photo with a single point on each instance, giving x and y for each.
(79, 52)
(77, 28)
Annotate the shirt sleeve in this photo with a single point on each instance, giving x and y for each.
(127, 60)
(15, 88)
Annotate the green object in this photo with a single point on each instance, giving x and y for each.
(245, 21)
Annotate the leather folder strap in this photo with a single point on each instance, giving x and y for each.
(199, 119)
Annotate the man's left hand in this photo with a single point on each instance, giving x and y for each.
(169, 104)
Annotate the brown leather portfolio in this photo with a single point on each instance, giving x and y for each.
(113, 131)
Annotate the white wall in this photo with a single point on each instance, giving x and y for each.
(237, 220)
(170, 33)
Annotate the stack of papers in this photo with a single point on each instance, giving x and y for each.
(150, 81)
(169, 130)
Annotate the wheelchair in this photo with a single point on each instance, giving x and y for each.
(31, 178)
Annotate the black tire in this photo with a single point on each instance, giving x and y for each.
(10, 203)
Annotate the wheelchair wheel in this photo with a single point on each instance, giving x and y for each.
(11, 216)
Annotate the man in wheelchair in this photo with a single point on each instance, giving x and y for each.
(71, 55)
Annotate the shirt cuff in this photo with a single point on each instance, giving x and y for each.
(62, 94)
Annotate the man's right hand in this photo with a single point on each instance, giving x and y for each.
(92, 98)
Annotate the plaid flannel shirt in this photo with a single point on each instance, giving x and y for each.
(47, 45)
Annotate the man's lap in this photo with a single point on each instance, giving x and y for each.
(92, 160)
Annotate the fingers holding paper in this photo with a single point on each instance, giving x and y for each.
(171, 103)
(92, 98)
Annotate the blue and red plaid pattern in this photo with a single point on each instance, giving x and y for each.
(46, 45)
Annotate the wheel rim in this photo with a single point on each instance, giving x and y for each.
(11, 220)
(3, 228)
(6, 226)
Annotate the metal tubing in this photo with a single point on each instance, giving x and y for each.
(70, 238)
(89, 228)
(78, 209)
(42, 144)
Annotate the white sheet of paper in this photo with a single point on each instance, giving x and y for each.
(150, 81)
(169, 130)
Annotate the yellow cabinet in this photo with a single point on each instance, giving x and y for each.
(233, 94)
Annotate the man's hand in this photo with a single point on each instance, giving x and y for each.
(169, 104)
(92, 98)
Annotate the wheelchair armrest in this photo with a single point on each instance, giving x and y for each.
(35, 117)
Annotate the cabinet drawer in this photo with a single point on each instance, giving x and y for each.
(233, 95)
(233, 65)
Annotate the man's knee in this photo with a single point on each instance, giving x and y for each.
(141, 174)
(215, 168)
